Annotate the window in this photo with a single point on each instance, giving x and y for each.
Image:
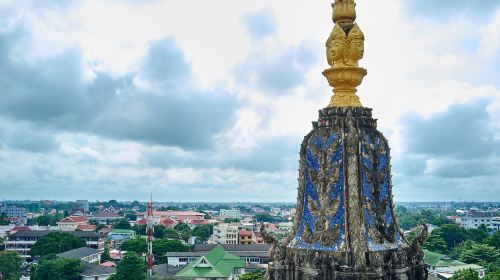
(183, 260)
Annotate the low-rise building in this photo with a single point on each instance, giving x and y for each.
(23, 241)
(224, 233)
(252, 254)
(217, 264)
(97, 272)
(72, 222)
(246, 237)
(13, 212)
(84, 254)
(230, 213)
(475, 219)
(443, 267)
(105, 216)
(179, 216)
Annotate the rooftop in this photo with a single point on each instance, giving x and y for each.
(234, 247)
(78, 253)
(96, 270)
(216, 264)
(437, 259)
(40, 233)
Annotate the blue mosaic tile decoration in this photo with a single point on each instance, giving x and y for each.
(381, 231)
(321, 227)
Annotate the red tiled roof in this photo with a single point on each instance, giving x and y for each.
(174, 213)
(108, 264)
(107, 214)
(198, 222)
(246, 233)
(104, 230)
(86, 227)
(74, 219)
(16, 229)
(141, 222)
(168, 222)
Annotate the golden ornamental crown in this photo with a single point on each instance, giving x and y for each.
(344, 11)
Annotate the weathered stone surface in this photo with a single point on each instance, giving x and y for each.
(345, 226)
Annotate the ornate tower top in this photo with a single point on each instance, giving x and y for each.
(344, 11)
(344, 48)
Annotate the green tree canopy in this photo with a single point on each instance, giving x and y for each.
(180, 227)
(203, 231)
(159, 231)
(492, 275)
(170, 233)
(436, 243)
(131, 267)
(481, 254)
(264, 217)
(137, 245)
(186, 234)
(55, 243)
(254, 275)
(467, 274)
(57, 269)
(478, 234)
(122, 224)
(162, 246)
(494, 240)
(451, 233)
(10, 265)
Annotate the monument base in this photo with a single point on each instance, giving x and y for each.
(296, 264)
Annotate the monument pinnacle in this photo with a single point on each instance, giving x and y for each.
(344, 48)
(345, 227)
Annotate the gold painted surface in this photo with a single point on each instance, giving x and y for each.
(344, 48)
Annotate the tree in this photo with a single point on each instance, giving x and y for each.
(159, 231)
(494, 240)
(10, 265)
(132, 267)
(105, 256)
(137, 245)
(3, 221)
(1, 243)
(492, 275)
(162, 246)
(231, 220)
(186, 234)
(452, 234)
(435, 243)
(264, 217)
(55, 243)
(203, 231)
(254, 275)
(170, 233)
(122, 224)
(481, 254)
(478, 234)
(139, 229)
(180, 227)
(467, 274)
(131, 216)
(57, 269)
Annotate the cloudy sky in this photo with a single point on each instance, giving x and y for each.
(209, 100)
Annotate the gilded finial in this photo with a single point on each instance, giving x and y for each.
(344, 48)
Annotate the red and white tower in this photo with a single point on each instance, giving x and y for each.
(150, 236)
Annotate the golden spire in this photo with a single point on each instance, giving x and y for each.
(344, 48)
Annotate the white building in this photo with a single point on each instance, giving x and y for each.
(474, 219)
(230, 213)
(225, 234)
(13, 212)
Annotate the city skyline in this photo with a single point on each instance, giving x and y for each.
(210, 101)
